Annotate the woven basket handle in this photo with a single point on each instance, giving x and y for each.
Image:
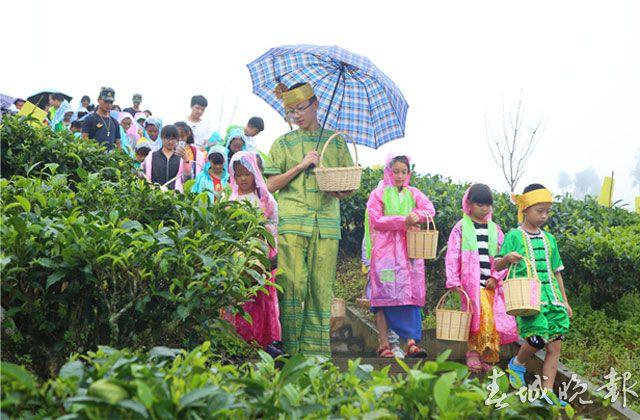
(335, 135)
(430, 219)
(441, 301)
(530, 268)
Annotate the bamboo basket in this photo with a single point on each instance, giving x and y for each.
(338, 179)
(451, 324)
(522, 294)
(423, 244)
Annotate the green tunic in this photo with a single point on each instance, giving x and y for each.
(309, 230)
(542, 250)
(302, 207)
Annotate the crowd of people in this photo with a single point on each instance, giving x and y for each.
(306, 223)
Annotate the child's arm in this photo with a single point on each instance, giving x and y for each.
(564, 294)
(504, 262)
(506, 256)
(376, 214)
(452, 259)
(498, 275)
(424, 207)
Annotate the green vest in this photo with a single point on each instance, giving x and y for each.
(470, 239)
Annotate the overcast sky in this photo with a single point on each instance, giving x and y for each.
(576, 62)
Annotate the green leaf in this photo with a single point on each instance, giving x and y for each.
(72, 369)
(443, 356)
(82, 173)
(196, 395)
(161, 351)
(38, 196)
(183, 312)
(144, 393)
(108, 391)
(293, 368)
(134, 406)
(19, 374)
(252, 387)
(188, 185)
(54, 278)
(26, 205)
(381, 389)
(569, 411)
(113, 216)
(266, 357)
(403, 365)
(442, 390)
(46, 262)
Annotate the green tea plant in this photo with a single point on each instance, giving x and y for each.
(91, 254)
(166, 383)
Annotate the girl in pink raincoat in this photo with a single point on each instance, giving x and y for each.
(473, 244)
(397, 282)
(248, 184)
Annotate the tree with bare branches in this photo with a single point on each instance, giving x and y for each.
(513, 143)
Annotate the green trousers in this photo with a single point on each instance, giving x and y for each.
(307, 271)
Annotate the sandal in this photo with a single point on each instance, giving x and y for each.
(473, 362)
(414, 351)
(385, 352)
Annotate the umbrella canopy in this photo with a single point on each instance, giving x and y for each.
(354, 95)
(41, 99)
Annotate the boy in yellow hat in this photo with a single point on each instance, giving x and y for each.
(539, 247)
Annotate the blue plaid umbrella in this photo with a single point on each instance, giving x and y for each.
(354, 95)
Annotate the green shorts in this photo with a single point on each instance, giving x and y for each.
(551, 322)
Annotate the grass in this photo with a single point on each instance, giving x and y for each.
(602, 339)
(350, 280)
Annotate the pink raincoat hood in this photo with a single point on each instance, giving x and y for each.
(132, 132)
(250, 162)
(387, 180)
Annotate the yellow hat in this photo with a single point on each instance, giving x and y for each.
(297, 95)
(524, 201)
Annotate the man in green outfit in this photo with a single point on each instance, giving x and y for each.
(309, 226)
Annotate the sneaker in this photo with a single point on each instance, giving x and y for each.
(397, 352)
(519, 370)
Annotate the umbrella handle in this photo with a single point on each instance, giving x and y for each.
(326, 116)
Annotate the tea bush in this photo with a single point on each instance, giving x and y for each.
(611, 258)
(77, 273)
(27, 149)
(166, 383)
(91, 254)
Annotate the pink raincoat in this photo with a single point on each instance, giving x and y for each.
(263, 308)
(395, 279)
(463, 269)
